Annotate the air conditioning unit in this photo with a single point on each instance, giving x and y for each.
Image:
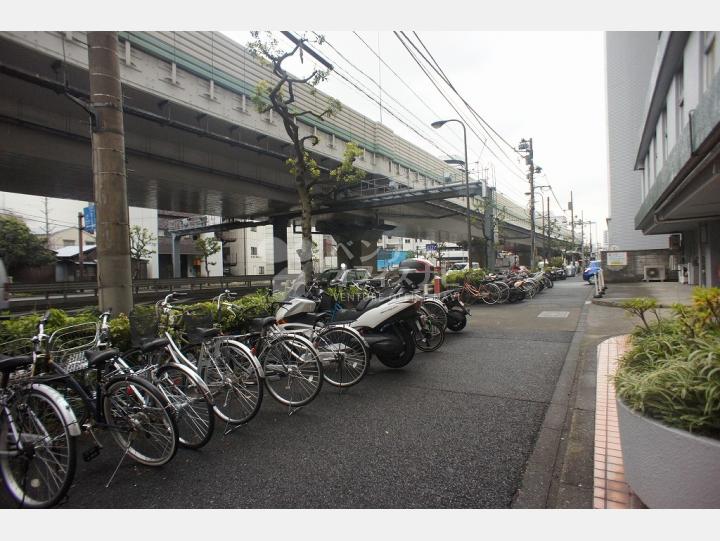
(654, 273)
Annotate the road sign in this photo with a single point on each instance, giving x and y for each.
(89, 218)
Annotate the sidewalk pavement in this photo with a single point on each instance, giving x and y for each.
(666, 293)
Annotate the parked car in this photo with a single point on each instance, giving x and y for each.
(591, 271)
(462, 265)
(345, 276)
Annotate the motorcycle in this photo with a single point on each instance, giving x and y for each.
(391, 325)
(457, 312)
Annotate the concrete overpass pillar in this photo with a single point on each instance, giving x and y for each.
(176, 260)
(357, 250)
(280, 246)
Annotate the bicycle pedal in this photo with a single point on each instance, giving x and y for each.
(91, 453)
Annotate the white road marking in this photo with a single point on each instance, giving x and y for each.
(551, 313)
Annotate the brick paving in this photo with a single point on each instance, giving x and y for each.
(610, 489)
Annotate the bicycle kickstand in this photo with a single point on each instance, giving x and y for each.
(118, 466)
(230, 428)
(292, 409)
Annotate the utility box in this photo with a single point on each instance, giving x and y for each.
(654, 273)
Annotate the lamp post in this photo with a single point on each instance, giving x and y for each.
(437, 124)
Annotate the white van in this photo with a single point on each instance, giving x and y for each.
(5, 285)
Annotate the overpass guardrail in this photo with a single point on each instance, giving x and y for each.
(59, 294)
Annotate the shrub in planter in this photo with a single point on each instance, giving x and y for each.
(471, 276)
(668, 385)
(672, 372)
(252, 305)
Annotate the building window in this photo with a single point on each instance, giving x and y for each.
(664, 134)
(653, 151)
(679, 104)
(708, 68)
(253, 229)
(253, 251)
(261, 270)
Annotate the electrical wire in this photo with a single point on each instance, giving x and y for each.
(367, 91)
(481, 122)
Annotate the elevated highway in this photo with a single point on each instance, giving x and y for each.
(194, 142)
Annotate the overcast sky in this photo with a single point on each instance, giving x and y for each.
(545, 85)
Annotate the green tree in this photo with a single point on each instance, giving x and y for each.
(140, 241)
(208, 247)
(279, 97)
(19, 247)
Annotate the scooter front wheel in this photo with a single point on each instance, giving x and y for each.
(405, 356)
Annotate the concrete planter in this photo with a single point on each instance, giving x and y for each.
(667, 467)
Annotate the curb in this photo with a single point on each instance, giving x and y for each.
(616, 303)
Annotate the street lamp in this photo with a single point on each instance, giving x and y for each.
(438, 124)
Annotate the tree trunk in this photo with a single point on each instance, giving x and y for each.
(207, 268)
(306, 228)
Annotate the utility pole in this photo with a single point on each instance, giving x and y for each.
(47, 224)
(582, 235)
(527, 147)
(547, 238)
(114, 273)
(81, 254)
(572, 222)
(489, 231)
(542, 228)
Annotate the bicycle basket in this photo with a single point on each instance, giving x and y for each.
(144, 325)
(194, 319)
(67, 346)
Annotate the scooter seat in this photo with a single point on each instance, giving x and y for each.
(346, 315)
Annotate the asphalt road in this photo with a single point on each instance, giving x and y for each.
(453, 429)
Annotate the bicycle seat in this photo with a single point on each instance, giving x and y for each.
(259, 323)
(98, 358)
(207, 332)
(153, 344)
(9, 364)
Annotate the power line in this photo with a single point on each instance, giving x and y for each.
(377, 100)
(432, 80)
(435, 114)
(444, 77)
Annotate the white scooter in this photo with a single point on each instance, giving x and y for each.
(385, 324)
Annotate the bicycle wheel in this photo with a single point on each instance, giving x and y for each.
(41, 473)
(490, 294)
(234, 382)
(467, 296)
(140, 420)
(344, 355)
(193, 411)
(504, 291)
(431, 336)
(437, 313)
(293, 371)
